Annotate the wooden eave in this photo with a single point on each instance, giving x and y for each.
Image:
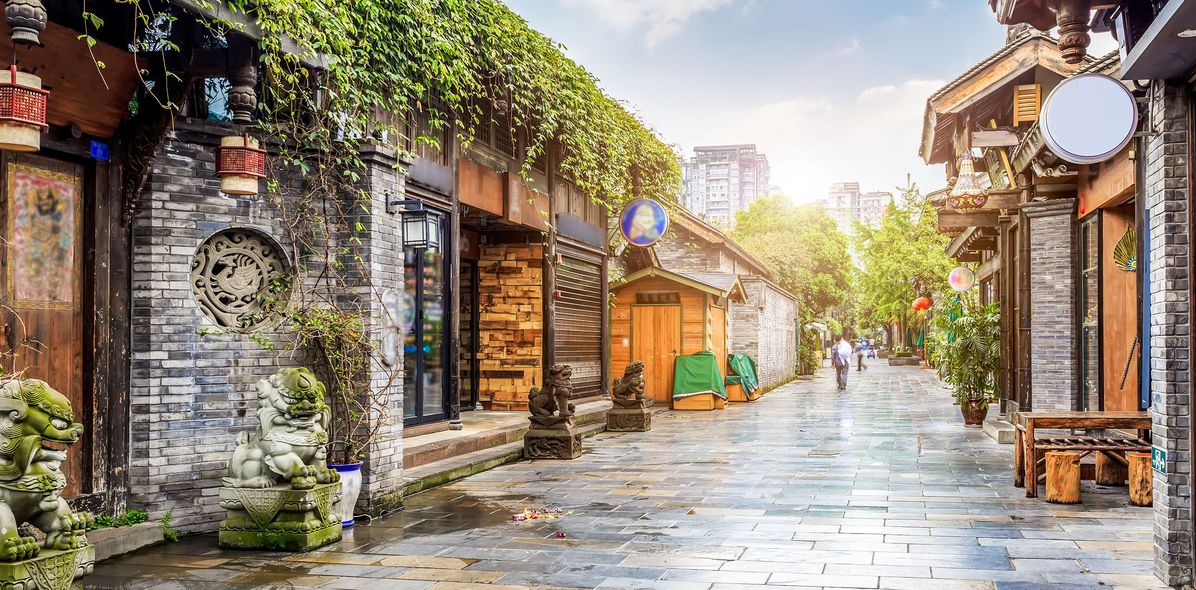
(972, 240)
(715, 237)
(734, 293)
(993, 74)
(1036, 13)
(247, 26)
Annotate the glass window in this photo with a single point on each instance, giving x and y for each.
(425, 390)
(1089, 310)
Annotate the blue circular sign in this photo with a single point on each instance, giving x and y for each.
(643, 222)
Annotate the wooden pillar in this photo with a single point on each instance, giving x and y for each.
(1063, 477)
(1109, 470)
(1141, 479)
(452, 290)
(1019, 460)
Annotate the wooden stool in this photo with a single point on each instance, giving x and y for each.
(1062, 477)
(1110, 471)
(1141, 479)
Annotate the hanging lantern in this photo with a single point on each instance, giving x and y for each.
(922, 303)
(961, 278)
(239, 164)
(967, 196)
(22, 111)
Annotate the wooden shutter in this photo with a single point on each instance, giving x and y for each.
(1027, 100)
(578, 321)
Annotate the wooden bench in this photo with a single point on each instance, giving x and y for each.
(1029, 450)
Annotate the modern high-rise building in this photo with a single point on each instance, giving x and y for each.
(846, 204)
(722, 179)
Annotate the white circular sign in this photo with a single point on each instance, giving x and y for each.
(1088, 118)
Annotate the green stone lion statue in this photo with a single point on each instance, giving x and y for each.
(290, 445)
(31, 483)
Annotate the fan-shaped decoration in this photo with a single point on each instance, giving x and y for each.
(922, 303)
(1125, 253)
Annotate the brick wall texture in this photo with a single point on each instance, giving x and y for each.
(764, 328)
(511, 324)
(192, 387)
(1053, 357)
(1168, 197)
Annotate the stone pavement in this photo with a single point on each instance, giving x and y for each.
(877, 487)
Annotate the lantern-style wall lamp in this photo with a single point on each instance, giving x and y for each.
(421, 225)
(239, 164)
(967, 196)
(22, 111)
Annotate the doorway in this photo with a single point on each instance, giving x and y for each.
(425, 329)
(656, 340)
(469, 334)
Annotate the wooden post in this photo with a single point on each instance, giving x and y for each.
(1110, 471)
(1141, 479)
(1062, 477)
(1030, 460)
(1019, 459)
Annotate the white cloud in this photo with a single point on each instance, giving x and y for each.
(814, 142)
(851, 48)
(661, 19)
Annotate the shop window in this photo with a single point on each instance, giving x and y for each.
(1089, 309)
(239, 277)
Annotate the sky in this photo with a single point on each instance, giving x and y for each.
(829, 90)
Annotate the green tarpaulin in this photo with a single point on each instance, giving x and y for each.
(698, 373)
(745, 372)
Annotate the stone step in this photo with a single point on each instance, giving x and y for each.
(448, 470)
(999, 430)
(117, 541)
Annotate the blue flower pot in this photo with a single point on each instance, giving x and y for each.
(350, 491)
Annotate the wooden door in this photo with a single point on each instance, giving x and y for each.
(41, 286)
(718, 337)
(656, 340)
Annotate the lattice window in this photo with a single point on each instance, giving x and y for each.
(238, 277)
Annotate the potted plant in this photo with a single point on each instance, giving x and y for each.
(971, 355)
(341, 352)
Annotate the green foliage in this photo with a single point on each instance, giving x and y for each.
(810, 354)
(902, 259)
(803, 248)
(129, 518)
(168, 533)
(969, 347)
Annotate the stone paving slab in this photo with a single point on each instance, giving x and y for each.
(877, 487)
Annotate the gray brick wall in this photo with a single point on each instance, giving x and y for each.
(191, 393)
(1168, 196)
(764, 329)
(1053, 341)
(682, 251)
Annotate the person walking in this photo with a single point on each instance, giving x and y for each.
(860, 350)
(841, 357)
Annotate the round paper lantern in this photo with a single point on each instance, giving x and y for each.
(961, 278)
(922, 303)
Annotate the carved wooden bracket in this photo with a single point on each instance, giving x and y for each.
(26, 19)
(1072, 18)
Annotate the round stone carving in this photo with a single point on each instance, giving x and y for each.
(231, 277)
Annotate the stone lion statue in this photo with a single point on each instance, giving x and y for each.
(629, 390)
(31, 483)
(290, 443)
(550, 405)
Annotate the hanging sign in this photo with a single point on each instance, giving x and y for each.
(1088, 118)
(961, 278)
(643, 222)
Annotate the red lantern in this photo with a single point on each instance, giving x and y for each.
(922, 303)
(239, 164)
(22, 111)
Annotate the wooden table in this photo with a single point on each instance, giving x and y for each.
(1025, 454)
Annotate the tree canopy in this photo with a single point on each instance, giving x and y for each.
(902, 259)
(803, 248)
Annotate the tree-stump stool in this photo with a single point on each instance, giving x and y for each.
(1141, 479)
(1062, 477)
(1110, 471)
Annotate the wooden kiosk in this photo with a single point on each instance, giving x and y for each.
(659, 315)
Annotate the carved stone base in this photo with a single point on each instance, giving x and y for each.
(280, 518)
(552, 444)
(628, 420)
(50, 570)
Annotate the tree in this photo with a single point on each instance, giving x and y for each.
(803, 248)
(902, 259)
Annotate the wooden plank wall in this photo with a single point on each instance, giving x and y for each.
(693, 320)
(1119, 314)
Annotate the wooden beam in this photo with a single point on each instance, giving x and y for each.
(949, 219)
(994, 138)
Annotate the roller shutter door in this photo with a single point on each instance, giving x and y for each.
(578, 321)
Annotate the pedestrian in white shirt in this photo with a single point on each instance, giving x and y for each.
(841, 358)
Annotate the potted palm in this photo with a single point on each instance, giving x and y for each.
(970, 356)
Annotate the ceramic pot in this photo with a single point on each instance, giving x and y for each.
(350, 490)
(974, 412)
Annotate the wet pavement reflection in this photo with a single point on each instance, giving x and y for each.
(880, 486)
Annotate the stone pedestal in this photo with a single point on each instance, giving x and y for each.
(50, 570)
(634, 419)
(556, 443)
(280, 518)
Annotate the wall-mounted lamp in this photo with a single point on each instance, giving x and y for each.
(421, 225)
